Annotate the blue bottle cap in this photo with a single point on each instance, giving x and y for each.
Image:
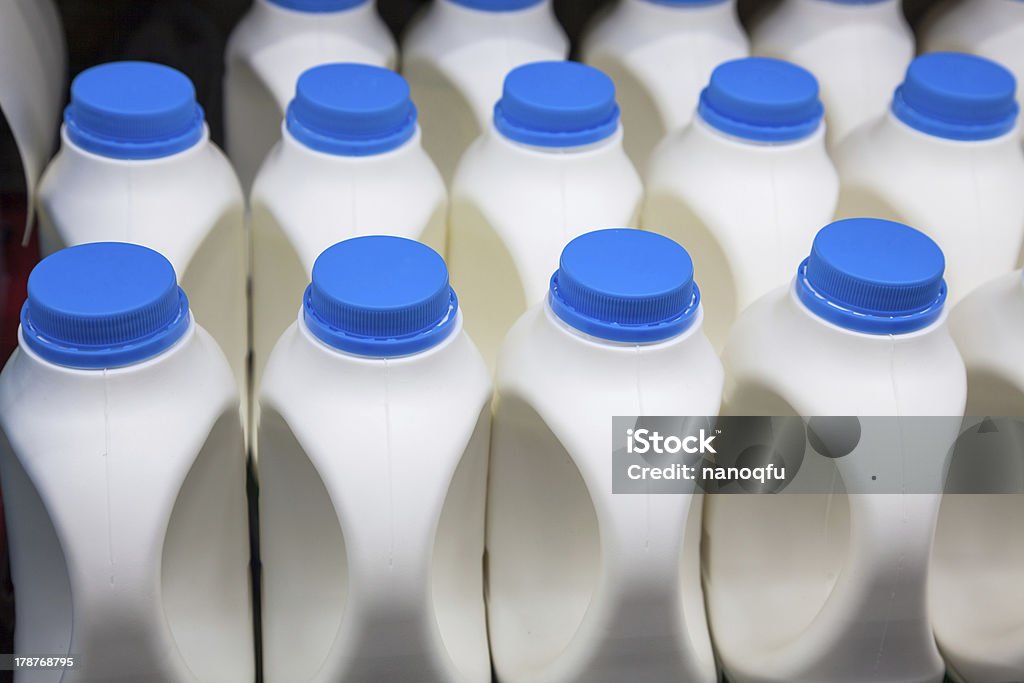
(351, 110)
(762, 99)
(625, 285)
(957, 96)
(497, 5)
(318, 6)
(380, 296)
(103, 305)
(557, 104)
(872, 275)
(133, 110)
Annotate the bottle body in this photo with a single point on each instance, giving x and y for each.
(502, 250)
(975, 596)
(187, 206)
(834, 587)
(125, 494)
(745, 248)
(372, 501)
(660, 57)
(455, 59)
(267, 52)
(858, 52)
(305, 201)
(581, 580)
(963, 194)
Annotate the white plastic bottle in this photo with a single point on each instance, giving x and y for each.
(123, 471)
(858, 50)
(456, 54)
(989, 28)
(977, 600)
(746, 186)
(947, 158)
(549, 168)
(136, 165)
(273, 44)
(374, 425)
(830, 587)
(349, 143)
(979, 553)
(660, 53)
(585, 585)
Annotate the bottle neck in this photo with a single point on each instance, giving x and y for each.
(571, 335)
(296, 153)
(812, 145)
(847, 337)
(80, 156)
(899, 137)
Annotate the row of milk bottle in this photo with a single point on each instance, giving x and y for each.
(412, 531)
(660, 55)
(744, 186)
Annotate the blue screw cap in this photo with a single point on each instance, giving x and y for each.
(957, 96)
(351, 110)
(557, 104)
(625, 285)
(875, 276)
(318, 6)
(103, 305)
(380, 296)
(762, 99)
(133, 110)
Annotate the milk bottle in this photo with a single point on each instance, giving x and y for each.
(583, 584)
(989, 28)
(456, 54)
(374, 424)
(747, 185)
(947, 158)
(975, 592)
(136, 165)
(123, 472)
(349, 163)
(660, 54)
(858, 49)
(273, 44)
(827, 586)
(550, 167)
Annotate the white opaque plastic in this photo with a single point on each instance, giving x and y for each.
(513, 208)
(977, 598)
(126, 511)
(964, 194)
(372, 482)
(456, 58)
(660, 56)
(859, 52)
(187, 206)
(304, 201)
(829, 587)
(266, 54)
(584, 585)
(990, 28)
(746, 211)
